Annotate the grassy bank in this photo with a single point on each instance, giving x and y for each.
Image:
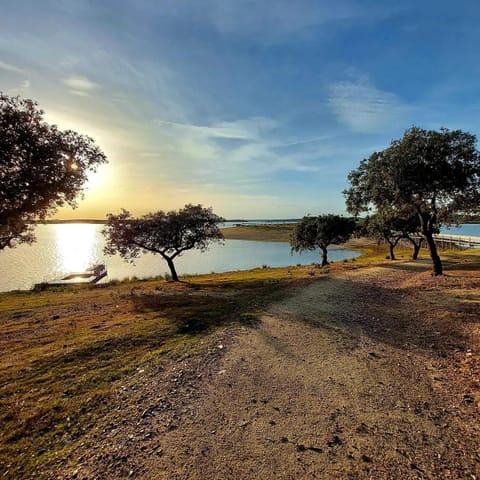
(264, 233)
(65, 352)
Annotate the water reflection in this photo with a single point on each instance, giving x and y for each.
(68, 248)
(76, 246)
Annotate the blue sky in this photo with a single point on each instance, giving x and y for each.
(257, 108)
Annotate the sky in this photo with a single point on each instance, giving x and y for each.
(259, 109)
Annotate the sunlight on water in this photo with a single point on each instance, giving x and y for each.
(75, 245)
(69, 248)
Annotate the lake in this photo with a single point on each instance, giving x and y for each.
(65, 248)
(467, 229)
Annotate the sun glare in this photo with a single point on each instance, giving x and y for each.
(76, 246)
(96, 180)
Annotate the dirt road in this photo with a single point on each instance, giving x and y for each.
(371, 373)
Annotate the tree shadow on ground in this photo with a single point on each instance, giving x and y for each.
(199, 307)
(404, 317)
(422, 265)
(457, 262)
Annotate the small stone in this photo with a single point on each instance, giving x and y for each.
(335, 441)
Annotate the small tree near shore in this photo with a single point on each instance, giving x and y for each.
(41, 168)
(314, 233)
(393, 226)
(168, 234)
(436, 174)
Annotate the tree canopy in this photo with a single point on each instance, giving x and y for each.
(41, 168)
(168, 234)
(435, 174)
(319, 232)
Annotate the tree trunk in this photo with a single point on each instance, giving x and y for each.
(427, 221)
(391, 246)
(416, 246)
(172, 269)
(416, 249)
(437, 263)
(324, 256)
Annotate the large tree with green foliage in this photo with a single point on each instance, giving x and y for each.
(314, 233)
(41, 168)
(168, 234)
(434, 173)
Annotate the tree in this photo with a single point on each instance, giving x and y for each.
(320, 232)
(392, 226)
(167, 234)
(41, 168)
(436, 174)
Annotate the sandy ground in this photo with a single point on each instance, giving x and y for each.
(371, 373)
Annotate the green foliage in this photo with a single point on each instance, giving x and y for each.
(434, 174)
(392, 225)
(314, 233)
(41, 168)
(167, 234)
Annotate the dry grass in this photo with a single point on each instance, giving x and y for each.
(65, 351)
(264, 233)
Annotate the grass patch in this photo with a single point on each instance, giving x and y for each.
(265, 233)
(66, 351)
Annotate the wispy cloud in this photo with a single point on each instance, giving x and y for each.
(10, 68)
(269, 22)
(363, 107)
(248, 129)
(79, 85)
(225, 152)
(21, 88)
(261, 18)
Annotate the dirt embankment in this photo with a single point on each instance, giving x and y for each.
(371, 373)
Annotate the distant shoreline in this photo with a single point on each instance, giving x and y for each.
(251, 222)
(80, 220)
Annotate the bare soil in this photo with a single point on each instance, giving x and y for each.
(369, 373)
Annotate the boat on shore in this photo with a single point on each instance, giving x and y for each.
(92, 275)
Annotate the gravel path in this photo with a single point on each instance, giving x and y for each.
(360, 375)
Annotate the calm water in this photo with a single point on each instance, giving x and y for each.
(469, 229)
(66, 248)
